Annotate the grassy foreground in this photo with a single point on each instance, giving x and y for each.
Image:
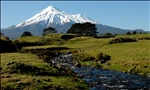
(26, 81)
(130, 57)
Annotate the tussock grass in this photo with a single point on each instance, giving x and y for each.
(4, 37)
(25, 82)
(52, 36)
(136, 36)
(30, 39)
(128, 55)
(121, 53)
(124, 57)
(11, 81)
(48, 39)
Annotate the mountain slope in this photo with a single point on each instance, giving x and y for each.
(53, 17)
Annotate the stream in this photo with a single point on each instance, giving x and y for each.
(101, 79)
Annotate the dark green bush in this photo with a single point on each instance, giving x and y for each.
(83, 57)
(103, 57)
(7, 46)
(46, 55)
(108, 34)
(68, 36)
(144, 38)
(22, 68)
(24, 44)
(26, 33)
(122, 40)
(128, 33)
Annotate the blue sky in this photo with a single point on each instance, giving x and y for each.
(121, 14)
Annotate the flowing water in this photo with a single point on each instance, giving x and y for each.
(101, 79)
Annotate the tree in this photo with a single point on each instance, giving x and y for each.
(75, 28)
(7, 46)
(49, 30)
(26, 33)
(140, 32)
(85, 29)
(134, 32)
(128, 33)
(108, 34)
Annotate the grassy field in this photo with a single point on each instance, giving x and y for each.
(124, 56)
(23, 81)
(130, 57)
(134, 36)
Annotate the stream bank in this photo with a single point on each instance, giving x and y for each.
(101, 79)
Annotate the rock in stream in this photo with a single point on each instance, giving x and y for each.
(101, 79)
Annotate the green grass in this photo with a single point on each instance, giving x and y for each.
(48, 39)
(25, 82)
(39, 39)
(34, 82)
(121, 53)
(130, 54)
(124, 57)
(53, 36)
(3, 37)
(19, 57)
(134, 36)
(30, 39)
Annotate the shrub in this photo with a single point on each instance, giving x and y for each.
(144, 38)
(103, 57)
(46, 55)
(128, 33)
(26, 33)
(108, 34)
(68, 36)
(19, 45)
(122, 40)
(134, 32)
(22, 68)
(83, 57)
(7, 46)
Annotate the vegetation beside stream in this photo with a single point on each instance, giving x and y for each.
(126, 56)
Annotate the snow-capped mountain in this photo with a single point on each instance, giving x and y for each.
(53, 17)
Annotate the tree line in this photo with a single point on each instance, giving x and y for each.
(83, 29)
(134, 32)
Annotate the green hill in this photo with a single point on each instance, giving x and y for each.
(129, 57)
(124, 56)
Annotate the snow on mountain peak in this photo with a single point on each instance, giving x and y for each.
(53, 15)
(52, 8)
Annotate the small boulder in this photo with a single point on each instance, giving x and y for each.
(11, 62)
(77, 65)
(145, 66)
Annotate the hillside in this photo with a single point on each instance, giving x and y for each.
(28, 68)
(128, 53)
